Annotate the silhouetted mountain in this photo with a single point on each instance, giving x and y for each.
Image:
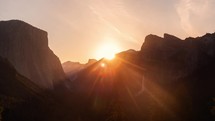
(22, 100)
(169, 79)
(71, 69)
(90, 62)
(179, 74)
(26, 47)
(13, 84)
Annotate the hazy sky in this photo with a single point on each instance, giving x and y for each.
(77, 28)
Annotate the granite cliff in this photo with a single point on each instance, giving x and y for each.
(26, 47)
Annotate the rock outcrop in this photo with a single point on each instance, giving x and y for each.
(22, 100)
(172, 58)
(15, 85)
(26, 47)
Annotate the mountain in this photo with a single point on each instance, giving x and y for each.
(14, 84)
(179, 74)
(26, 47)
(17, 94)
(169, 79)
(72, 69)
(22, 100)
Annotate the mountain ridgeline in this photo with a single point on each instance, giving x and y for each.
(169, 79)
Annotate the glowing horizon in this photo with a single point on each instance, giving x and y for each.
(76, 29)
(107, 49)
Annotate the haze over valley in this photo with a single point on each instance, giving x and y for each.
(168, 79)
(96, 60)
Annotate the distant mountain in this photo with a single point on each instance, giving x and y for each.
(71, 69)
(169, 79)
(26, 47)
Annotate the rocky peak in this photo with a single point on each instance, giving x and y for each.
(152, 39)
(179, 57)
(91, 61)
(171, 37)
(26, 47)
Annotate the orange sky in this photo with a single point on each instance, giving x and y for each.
(78, 29)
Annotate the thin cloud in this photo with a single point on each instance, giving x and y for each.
(107, 13)
(187, 7)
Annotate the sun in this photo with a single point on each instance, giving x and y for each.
(103, 65)
(107, 50)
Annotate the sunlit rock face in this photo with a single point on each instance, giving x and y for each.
(26, 47)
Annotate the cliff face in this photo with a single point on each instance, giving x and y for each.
(22, 100)
(12, 84)
(171, 58)
(26, 47)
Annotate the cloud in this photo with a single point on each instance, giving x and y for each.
(113, 15)
(187, 9)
